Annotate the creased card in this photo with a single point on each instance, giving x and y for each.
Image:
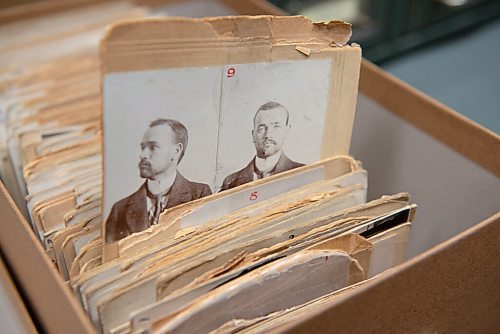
(195, 106)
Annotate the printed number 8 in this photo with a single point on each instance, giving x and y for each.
(253, 196)
(230, 72)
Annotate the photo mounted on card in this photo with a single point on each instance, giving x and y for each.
(271, 119)
(192, 107)
(160, 139)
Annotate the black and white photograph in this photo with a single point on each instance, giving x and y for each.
(174, 136)
(272, 118)
(160, 131)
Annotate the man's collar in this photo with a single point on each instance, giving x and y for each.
(268, 164)
(161, 185)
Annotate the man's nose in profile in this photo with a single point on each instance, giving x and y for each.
(144, 154)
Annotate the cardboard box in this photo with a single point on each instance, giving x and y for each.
(408, 142)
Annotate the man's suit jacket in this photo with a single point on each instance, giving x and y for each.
(246, 174)
(130, 214)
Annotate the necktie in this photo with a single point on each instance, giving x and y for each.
(159, 203)
(157, 209)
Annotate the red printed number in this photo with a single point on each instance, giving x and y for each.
(254, 195)
(230, 72)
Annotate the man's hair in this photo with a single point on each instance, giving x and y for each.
(271, 105)
(179, 130)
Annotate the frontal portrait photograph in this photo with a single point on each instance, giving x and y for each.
(275, 124)
(271, 126)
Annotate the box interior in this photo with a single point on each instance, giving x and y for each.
(447, 181)
(452, 192)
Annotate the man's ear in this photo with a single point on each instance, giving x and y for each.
(253, 136)
(178, 150)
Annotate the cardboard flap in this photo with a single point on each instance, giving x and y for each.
(156, 43)
(298, 29)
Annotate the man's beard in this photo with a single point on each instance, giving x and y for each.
(145, 169)
(268, 148)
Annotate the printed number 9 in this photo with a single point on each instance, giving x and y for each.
(253, 196)
(230, 72)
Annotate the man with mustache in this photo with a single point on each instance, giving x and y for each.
(270, 129)
(162, 148)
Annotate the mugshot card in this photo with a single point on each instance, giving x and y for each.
(271, 118)
(238, 99)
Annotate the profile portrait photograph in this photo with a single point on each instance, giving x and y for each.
(162, 149)
(160, 144)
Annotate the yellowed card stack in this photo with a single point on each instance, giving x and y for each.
(51, 131)
(247, 258)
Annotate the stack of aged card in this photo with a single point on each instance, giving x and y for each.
(196, 177)
(50, 129)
